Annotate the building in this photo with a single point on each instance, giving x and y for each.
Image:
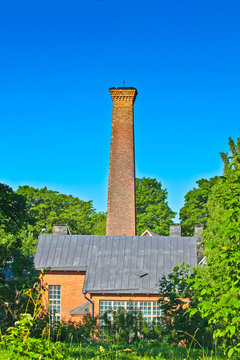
(94, 273)
(97, 273)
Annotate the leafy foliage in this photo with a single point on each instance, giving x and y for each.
(51, 208)
(195, 211)
(77, 332)
(218, 284)
(123, 327)
(152, 210)
(16, 275)
(13, 210)
(176, 297)
(98, 221)
(19, 342)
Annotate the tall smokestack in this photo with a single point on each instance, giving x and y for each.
(121, 217)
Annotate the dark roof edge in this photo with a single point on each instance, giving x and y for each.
(62, 268)
(122, 88)
(123, 291)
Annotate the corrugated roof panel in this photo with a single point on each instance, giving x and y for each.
(45, 252)
(154, 264)
(140, 255)
(120, 260)
(52, 250)
(39, 252)
(72, 252)
(193, 259)
(186, 250)
(173, 252)
(66, 249)
(133, 280)
(58, 251)
(126, 263)
(93, 261)
(160, 258)
(167, 254)
(107, 265)
(147, 263)
(180, 250)
(99, 262)
(113, 263)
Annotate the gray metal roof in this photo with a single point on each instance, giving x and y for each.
(114, 262)
(81, 310)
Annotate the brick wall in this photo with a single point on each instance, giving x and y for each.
(71, 291)
(121, 188)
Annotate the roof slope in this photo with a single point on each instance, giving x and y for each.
(116, 264)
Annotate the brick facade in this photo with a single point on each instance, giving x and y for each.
(71, 293)
(121, 188)
(71, 283)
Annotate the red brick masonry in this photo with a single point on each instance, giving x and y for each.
(71, 283)
(121, 188)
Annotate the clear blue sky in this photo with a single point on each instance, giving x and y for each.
(57, 61)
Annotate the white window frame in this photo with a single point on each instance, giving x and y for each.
(54, 302)
(150, 309)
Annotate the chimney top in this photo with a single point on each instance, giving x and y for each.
(198, 230)
(122, 88)
(123, 96)
(61, 229)
(175, 230)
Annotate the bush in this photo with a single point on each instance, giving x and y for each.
(75, 332)
(176, 296)
(127, 327)
(19, 343)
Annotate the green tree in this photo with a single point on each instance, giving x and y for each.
(13, 210)
(98, 223)
(218, 284)
(176, 297)
(17, 274)
(51, 208)
(195, 211)
(152, 210)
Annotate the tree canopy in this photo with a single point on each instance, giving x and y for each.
(17, 274)
(50, 208)
(218, 284)
(152, 210)
(195, 211)
(13, 210)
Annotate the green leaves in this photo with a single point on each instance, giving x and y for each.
(152, 210)
(218, 284)
(195, 211)
(180, 308)
(19, 343)
(50, 208)
(13, 210)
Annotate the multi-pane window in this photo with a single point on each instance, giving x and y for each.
(150, 309)
(54, 298)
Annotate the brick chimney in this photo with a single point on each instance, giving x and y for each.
(121, 217)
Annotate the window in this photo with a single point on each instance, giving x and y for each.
(54, 297)
(150, 309)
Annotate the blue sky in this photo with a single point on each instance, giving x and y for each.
(58, 60)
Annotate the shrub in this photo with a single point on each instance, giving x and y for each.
(19, 343)
(176, 297)
(127, 327)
